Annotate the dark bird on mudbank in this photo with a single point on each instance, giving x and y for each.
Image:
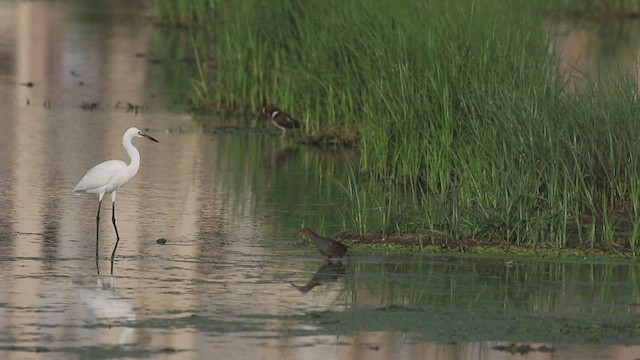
(328, 247)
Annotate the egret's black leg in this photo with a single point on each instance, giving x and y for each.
(113, 219)
(112, 265)
(98, 227)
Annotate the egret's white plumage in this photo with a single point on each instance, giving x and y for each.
(109, 176)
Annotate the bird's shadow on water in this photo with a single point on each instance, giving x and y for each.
(278, 158)
(329, 271)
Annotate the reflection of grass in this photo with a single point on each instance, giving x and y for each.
(176, 65)
(483, 298)
(265, 176)
(472, 299)
(185, 12)
(519, 284)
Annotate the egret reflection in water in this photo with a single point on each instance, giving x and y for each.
(105, 306)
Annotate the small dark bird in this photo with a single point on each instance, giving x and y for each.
(328, 247)
(281, 119)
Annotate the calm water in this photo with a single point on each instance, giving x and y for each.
(227, 195)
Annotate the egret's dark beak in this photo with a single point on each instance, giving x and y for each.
(150, 138)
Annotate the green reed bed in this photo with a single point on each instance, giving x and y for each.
(465, 129)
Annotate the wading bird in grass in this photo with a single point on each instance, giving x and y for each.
(328, 247)
(109, 176)
(281, 119)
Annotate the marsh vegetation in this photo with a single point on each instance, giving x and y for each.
(464, 125)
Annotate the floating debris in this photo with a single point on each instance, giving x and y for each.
(161, 241)
(523, 349)
(89, 106)
(27, 84)
(134, 108)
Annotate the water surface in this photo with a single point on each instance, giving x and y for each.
(226, 195)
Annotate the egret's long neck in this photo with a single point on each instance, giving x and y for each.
(134, 154)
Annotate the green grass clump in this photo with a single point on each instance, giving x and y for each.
(465, 129)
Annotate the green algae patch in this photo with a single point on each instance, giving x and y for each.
(200, 322)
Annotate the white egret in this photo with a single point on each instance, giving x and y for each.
(109, 176)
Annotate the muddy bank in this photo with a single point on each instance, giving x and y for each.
(473, 245)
